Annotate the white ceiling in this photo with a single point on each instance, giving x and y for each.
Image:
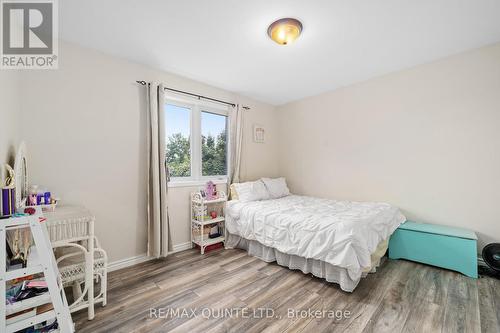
(224, 42)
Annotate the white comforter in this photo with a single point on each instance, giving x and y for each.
(342, 233)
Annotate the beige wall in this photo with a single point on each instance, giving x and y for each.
(9, 118)
(425, 139)
(85, 128)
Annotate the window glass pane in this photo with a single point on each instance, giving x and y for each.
(213, 144)
(178, 131)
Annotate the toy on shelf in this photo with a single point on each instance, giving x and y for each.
(211, 191)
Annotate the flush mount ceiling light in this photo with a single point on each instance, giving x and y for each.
(285, 30)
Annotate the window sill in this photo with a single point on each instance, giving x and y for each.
(194, 183)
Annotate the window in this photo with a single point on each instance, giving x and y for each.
(196, 141)
(213, 144)
(178, 130)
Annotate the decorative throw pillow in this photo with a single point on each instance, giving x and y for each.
(276, 187)
(234, 193)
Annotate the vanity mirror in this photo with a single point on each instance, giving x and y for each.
(21, 174)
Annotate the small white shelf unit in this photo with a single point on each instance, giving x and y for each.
(202, 221)
(46, 266)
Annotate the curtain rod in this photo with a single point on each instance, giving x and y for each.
(197, 96)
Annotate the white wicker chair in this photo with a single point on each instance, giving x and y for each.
(72, 270)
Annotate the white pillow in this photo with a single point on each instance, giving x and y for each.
(277, 187)
(251, 191)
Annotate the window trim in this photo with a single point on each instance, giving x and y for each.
(195, 183)
(196, 108)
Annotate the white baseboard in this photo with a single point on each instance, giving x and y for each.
(127, 262)
(181, 247)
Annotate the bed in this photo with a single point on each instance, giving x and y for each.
(340, 241)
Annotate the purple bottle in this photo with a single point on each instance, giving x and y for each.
(47, 197)
(39, 197)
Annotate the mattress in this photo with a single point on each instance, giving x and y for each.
(343, 234)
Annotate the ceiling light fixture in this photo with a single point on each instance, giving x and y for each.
(285, 30)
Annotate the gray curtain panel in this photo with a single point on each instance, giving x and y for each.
(236, 136)
(158, 230)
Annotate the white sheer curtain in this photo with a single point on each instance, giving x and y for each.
(158, 231)
(236, 133)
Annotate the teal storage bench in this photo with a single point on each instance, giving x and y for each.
(437, 245)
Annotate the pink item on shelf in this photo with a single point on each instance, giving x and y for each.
(32, 199)
(211, 191)
(37, 284)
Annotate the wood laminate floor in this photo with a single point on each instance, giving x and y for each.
(401, 297)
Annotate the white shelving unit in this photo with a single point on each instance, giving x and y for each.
(201, 219)
(46, 266)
